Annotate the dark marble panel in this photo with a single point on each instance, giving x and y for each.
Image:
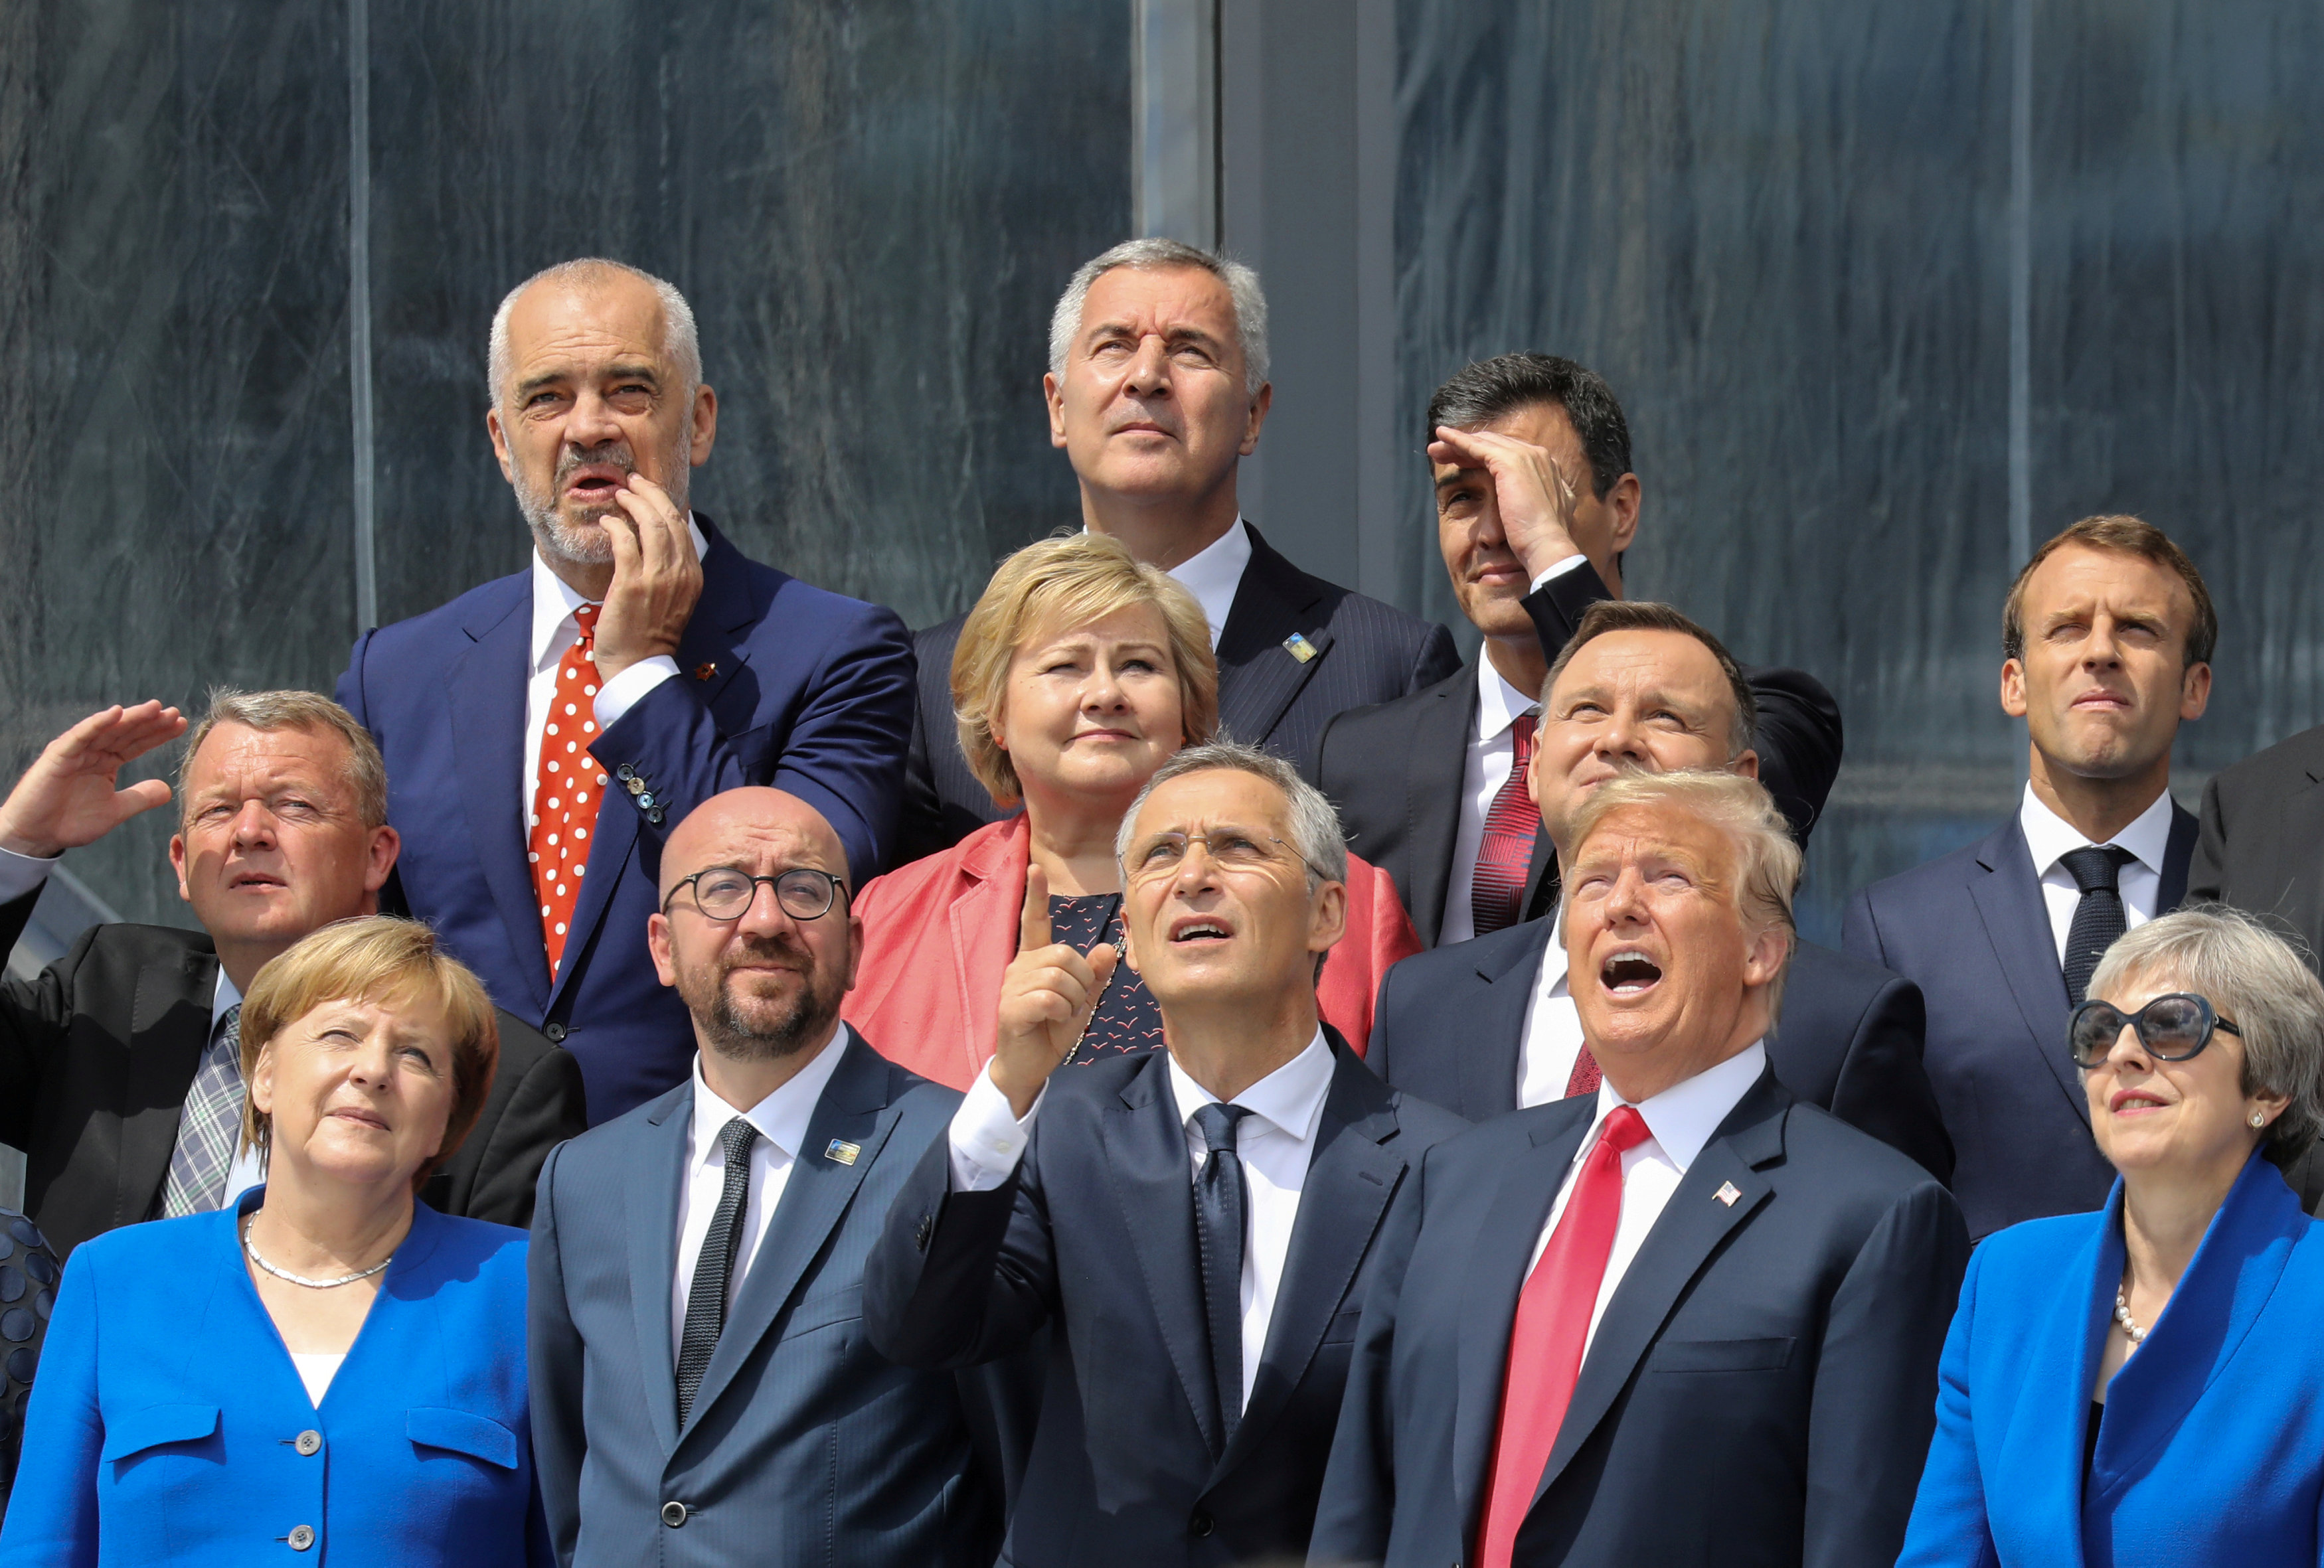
(174, 394)
(871, 207)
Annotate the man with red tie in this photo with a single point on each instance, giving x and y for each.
(1684, 1318)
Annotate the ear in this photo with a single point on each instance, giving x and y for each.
(500, 444)
(2195, 691)
(1624, 497)
(1327, 916)
(262, 1081)
(1129, 953)
(1259, 407)
(705, 424)
(178, 865)
(1764, 960)
(657, 944)
(1745, 766)
(2012, 688)
(1053, 395)
(855, 942)
(379, 861)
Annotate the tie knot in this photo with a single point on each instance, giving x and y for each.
(1216, 1122)
(735, 1138)
(2096, 866)
(1521, 729)
(585, 617)
(1625, 1129)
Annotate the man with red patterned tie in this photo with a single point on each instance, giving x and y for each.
(1683, 1318)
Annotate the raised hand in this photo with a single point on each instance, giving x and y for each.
(1046, 998)
(67, 798)
(1531, 492)
(657, 578)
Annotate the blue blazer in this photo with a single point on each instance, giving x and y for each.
(806, 1445)
(779, 683)
(169, 1423)
(2211, 1453)
(1969, 928)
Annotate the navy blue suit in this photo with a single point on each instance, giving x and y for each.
(2211, 1453)
(1970, 929)
(1760, 1387)
(1094, 1235)
(1450, 1027)
(779, 683)
(805, 1444)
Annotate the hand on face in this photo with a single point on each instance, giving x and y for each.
(67, 798)
(1048, 994)
(1528, 497)
(359, 1093)
(2103, 685)
(1092, 711)
(2189, 1120)
(657, 578)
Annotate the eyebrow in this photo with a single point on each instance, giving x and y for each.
(1176, 335)
(543, 380)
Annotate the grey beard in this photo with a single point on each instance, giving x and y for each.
(587, 544)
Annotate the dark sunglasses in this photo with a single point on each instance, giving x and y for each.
(2173, 1027)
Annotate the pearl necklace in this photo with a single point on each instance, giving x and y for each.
(252, 1249)
(2129, 1326)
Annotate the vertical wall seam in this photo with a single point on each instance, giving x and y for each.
(2021, 287)
(359, 307)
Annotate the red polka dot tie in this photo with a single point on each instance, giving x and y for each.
(569, 789)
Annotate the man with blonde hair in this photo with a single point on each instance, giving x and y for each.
(1685, 1318)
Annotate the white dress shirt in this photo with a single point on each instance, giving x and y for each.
(1214, 572)
(781, 1119)
(1681, 1121)
(2051, 837)
(1551, 1041)
(554, 630)
(1276, 1142)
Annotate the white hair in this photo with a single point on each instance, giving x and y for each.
(1243, 287)
(679, 340)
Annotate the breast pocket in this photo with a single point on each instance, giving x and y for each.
(821, 1312)
(1768, 1355)
(1341, 1330)
(462, 1432)
(137, 1432)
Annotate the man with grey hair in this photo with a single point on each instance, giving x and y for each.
(1197, 1224)
(1157, 391)
(120, 1064)
(555, 724)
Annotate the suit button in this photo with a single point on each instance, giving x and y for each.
(673, 1514)
(625, 772)
(555, 1033)
(1200, 1524)
(307, 1442)
(302, 1538)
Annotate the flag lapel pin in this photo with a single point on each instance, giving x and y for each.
(844, 1152)
(1727, 1193)
(1300, 648)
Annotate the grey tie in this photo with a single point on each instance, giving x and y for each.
(210, 1127)
(2099, 918)
(1220, 1205)
(706, 1299)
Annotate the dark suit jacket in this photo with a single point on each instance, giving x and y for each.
(1969, 928)
(97, 1052)
(1395, 770)
(1365, 653)
(2261, 843)
(1094, 1234)
(779, 683)
(1450, 1027)
(1761, 1387)
(805, 1444)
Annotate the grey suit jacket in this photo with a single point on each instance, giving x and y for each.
(805, 1444)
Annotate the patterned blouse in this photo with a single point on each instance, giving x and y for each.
(1127, 1021)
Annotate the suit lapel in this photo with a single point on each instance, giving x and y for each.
(1431, 793)
(1258, 675)
(1488, 1066)
(487, 702)
(652, 1202)
(1152, 1175)
(983, 922)
(169, 1029)
(2008, 897)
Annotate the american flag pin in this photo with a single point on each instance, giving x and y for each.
(844, 1152)
(705, 671)
(1727, 1193)
(1299, 647)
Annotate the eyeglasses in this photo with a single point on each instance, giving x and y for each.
(2173, 1027)
(721, 893)
(1231, 849)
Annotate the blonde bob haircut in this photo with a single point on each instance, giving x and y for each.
(1767, 860)
(1054, 586)
(375, 958)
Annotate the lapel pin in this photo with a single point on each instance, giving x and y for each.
(1727, 1193)
(705, 671)
(1299, 647)
(846, 1153)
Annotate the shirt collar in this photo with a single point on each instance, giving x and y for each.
(226, 997)
(2049, 836)
(1684, 1116)
(1290, 1099)
(1500, 704)
(1214, 572)
(781, 1118)
(554, 600)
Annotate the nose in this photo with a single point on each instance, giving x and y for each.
(2129, 1050)
(2104, 650)
(254, 825)
(1196, 871)
(765, 916)
(1626, 899)
(1102, 693)
(1149, 368)
(590, 422)
(1619, 736)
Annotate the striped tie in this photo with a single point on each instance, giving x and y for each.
(209, 1126)
(1504, 856)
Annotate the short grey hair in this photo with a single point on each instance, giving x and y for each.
(1148, 254)
(679, 339)
(1316, 836)
(2254, 978)
(267, 711)
(1767, 860)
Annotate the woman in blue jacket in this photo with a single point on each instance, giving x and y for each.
(2144, 1386)
(330, 1366)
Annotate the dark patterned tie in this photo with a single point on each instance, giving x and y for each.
(706, 1299)
(2098, 918)
(1219, 1208)
(1505, 854)
(210, 1127)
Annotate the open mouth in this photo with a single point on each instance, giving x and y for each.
(2132, 1101)
(594, 482)
(1198, 931)
(255, 879)
(1629, 974)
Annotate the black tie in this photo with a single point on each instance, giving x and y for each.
(2098, 918)
(706, 1299)
(1219, 1208)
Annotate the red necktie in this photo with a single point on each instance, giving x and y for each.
(1552, 1328)
(1505, 854)
(1585, 1077)
(569, 789)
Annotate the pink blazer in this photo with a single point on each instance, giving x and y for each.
(938, 933)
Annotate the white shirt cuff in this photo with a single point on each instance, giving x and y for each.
(1570, 564)
(987, 1138)
(618, 695)
(20, 873)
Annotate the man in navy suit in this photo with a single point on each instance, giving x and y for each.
(2106, 641)
(1684, 1319)
(543, 732)
(702, 1389)
(1484, 1027)
(1195, 1226)
(1157, 389)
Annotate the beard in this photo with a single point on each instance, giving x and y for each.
(581, 538)
(761, 1028)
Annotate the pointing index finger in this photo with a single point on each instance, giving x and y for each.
(1033, 928)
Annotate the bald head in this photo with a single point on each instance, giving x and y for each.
(744, 827)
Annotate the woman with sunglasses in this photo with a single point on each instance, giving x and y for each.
(2144, 1386)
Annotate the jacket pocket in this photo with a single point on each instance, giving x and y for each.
(1723, 1355)
(1341, 1329)
(139, 1430)
(459, 1432)
(822, 1311)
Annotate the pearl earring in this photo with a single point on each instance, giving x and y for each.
(2258, 1120)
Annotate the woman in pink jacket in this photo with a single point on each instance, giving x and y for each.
(1078, 673)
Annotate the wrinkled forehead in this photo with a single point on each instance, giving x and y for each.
(234, 757)
(2076, 577)
(1161, 298)
(1663, 835)
(1198, 803)
(759, 842)
(560, 322)
(1644, 663)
